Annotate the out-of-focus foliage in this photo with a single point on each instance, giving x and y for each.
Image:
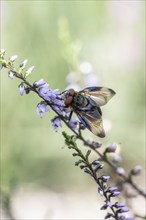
(112, 38)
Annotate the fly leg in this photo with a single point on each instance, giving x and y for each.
(70, 115)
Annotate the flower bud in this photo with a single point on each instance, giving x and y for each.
(13, 58)
(23, 64)
(120, 170)
(100, 191)
(40, 83)
(2, 53)
(11, 75)
(122, 210)
(104, 207)
(119, 205)
(111, 148)
(115, 194)
(21, 89)
(136, 170)
(29, 70)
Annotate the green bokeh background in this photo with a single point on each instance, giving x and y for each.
(31, 152)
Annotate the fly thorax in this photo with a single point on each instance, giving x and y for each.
(80, 100)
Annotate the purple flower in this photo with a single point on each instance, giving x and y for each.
(97, 165)
(115, 194)
(42, 108)
(11, 75)
(105, 178)
(104, 207)
(109, 215)
(112, 189)
(21, 89)
(96, 144)
(40, 83)
(129, 218)
(100, 191)
(119, 205)
(53, 96)
(57, 101)
(122, 210)
(122, 217)
(73, 123)
(108, 203)
(86, 170)
(45, 93)
(57, 109)
(67, 111)
(56, 123)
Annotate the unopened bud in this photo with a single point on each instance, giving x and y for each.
(120, 171)
(13, 58)
(136, 170)
(111, 148)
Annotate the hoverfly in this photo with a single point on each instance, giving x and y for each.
(86, 104)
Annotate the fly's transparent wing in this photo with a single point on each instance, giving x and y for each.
(92, 120)
(100, 95)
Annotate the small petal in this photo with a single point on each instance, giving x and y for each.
(29, 70)
(86, 170)
(104, 207)
(129, 218)
(119, 205)
(73, 123)
(108, 203)
(100, 191)
(24, 63)
(109, 215)
(96, 162)
(115, 194)
(42, 108)
(21, 89)
(105, 178)
(57, 109)
(56, 123)
(13, 58)
(40, 83)
(112, 189)
(67, 111)
(11, 75)
(96, 144)
(123, 210)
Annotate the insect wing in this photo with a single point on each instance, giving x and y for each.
(100, 95)
(92, 120)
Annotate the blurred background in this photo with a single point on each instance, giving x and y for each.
(69, 42)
